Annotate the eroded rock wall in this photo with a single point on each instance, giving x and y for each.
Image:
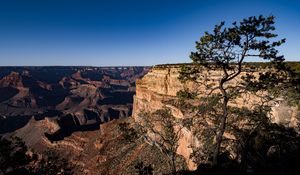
(161, 84)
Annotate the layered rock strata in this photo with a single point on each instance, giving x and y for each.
(161, 85)
(79, 98)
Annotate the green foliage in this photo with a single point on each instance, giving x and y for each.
(163, 130)
(186, 94)
(143, 169)
(225, 50)
(273, 149)
(294, 66)
(269, 149)
(249, 38)
(129, 133)
(52, 163)
(291, 88)
(13, 157)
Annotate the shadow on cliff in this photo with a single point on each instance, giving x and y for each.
(7, 93)
(48, 113)
(45, 97)
(116, 98)
(11, 123)
(272, 152)
(70, 123)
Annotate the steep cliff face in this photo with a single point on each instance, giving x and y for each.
(161, 84)
(156, 87)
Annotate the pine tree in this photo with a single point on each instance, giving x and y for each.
(226, 50)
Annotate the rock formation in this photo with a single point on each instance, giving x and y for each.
(161, 84)
(79, 98)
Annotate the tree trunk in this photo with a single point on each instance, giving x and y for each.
(173, 164)
(244, 159)
(219, 136)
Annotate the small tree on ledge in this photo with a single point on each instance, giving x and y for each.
(226, 49)
(165, 131)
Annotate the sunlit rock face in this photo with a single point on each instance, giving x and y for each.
(156, 87)
(161, 84)
(286, 115)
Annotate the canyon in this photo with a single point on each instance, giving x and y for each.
(73, 98)
(64, 99)
(74, 111)
(77, 110)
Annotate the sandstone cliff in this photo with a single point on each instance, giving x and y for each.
(161, 84)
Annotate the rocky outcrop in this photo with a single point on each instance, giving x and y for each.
(161, 84)
(14, 79)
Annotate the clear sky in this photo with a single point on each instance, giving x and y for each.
(126, 32)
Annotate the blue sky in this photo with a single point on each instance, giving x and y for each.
(126, 32)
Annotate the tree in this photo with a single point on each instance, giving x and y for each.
(13, 157)
(226, 50)
(52, 163)
(163, 130)
(143, 169)
(130, 134)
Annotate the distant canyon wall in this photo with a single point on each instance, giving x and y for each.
(77, 98)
